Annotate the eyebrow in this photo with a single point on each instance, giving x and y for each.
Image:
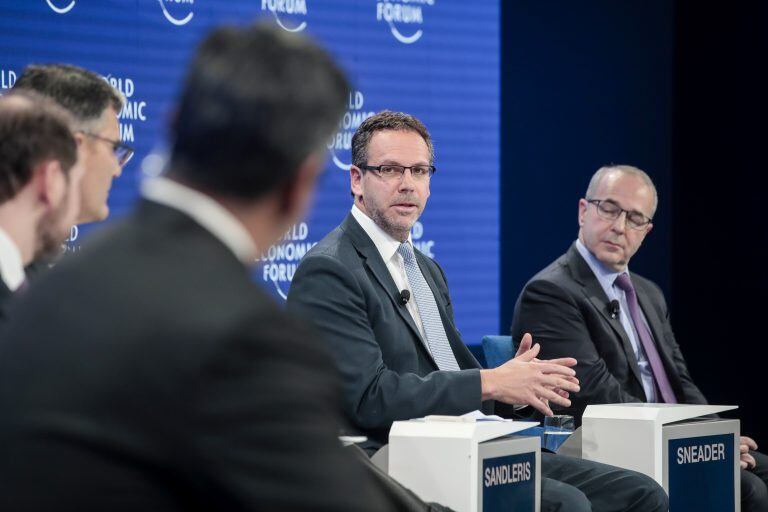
(612, 201)
(389, 161)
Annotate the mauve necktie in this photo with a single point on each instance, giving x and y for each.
(430, 315)
(646, 340)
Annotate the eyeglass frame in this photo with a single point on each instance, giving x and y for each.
(631, 224)
(377, 168)
(116, 144)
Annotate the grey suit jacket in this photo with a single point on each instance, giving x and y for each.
(566, 310)
(344, 288)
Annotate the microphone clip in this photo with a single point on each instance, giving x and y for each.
(614, 308)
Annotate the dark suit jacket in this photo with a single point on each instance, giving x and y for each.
(149, 373)
(5, 296)
(343, 286)
(566, 310)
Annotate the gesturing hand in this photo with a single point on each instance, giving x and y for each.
(525, 346)
(527, 380)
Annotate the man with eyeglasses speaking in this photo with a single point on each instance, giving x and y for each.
(588, 305)
(95, 105)
(384, 309)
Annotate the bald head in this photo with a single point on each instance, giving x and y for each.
(613, 171)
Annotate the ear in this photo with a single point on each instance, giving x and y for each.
(648, 229)
(79, 138)
(583, 205)
(356, 181)
(49, 182)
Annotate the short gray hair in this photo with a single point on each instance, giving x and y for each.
(623, 169)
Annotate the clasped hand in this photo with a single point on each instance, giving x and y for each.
(746, 460)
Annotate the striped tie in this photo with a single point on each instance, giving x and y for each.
(430, 316)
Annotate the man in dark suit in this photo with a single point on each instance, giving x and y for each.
(149, 372)
(39, 185)
(400, 354)
(614, 322)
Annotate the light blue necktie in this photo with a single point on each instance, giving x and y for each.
(437, 341)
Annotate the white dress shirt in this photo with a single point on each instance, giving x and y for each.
(11, 265)
(206, 212)
(387, 247)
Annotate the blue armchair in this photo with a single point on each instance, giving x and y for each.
(498, 350)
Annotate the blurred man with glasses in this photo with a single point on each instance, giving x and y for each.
(95, 106)
(385, 310)
(588, 305)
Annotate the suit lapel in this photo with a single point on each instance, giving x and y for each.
(366, 248)
(594, 292)
(4, 290)
(5, 294)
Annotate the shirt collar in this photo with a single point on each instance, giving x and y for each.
(11, 265)
(205, 211)
(385, 244)
(605, 275)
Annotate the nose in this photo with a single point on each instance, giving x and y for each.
(406, 180)
(620, 223)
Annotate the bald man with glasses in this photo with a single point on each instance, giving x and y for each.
(588, 305)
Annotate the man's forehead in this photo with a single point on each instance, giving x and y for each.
(405, 141)
(625, 187)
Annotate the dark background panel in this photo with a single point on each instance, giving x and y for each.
(720, 248)
(583, 85)
(677, 89)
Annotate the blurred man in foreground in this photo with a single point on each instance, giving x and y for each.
(150, 373)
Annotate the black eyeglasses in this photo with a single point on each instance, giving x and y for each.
(609, 210)
(392, 172)
(123, 152)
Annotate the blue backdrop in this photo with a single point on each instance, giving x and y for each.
(436, 59)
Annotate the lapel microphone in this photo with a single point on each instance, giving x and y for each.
(405, 296)
(614, 308)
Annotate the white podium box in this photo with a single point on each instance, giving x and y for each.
(695, 459)
(468, 465)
